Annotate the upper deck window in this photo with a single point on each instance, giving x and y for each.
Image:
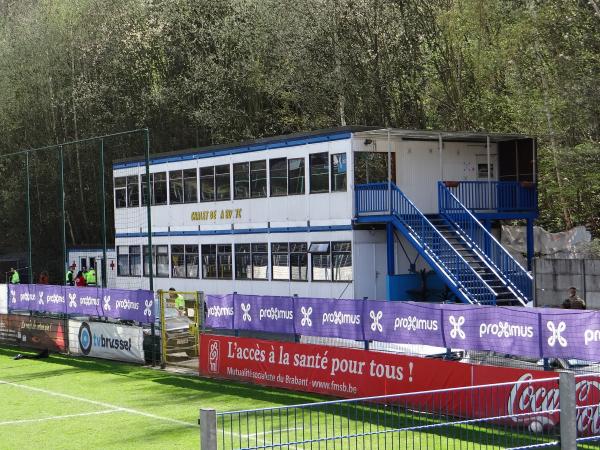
(338, 172)
(158, 189)
(319, 172)
(278, 177)
(127, 191)
(207, 184)
(241, 181)
(372, 167)
(183, 186)
(258, 179)
(295, 176)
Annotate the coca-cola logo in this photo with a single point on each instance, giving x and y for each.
(537, 404)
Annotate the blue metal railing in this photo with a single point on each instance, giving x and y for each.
(375, 198)
(505, 266)
(499, 196)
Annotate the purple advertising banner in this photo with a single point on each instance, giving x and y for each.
(512, 330)
(571, 334)
(264, 313)
(501, 329)
(219, 311)
(412, 323)
(329, 317)
(112, 303)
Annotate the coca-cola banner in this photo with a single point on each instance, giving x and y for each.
(514, 330)
(518, 397)
(120, 304)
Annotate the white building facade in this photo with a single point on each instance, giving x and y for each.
(276, 216)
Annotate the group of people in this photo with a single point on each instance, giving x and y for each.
(85, 277)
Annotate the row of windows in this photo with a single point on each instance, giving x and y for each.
(286, 177)
(330, 261)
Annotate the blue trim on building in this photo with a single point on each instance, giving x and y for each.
(326, 228)
(236, 149)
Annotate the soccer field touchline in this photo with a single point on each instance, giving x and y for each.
(68, 416)
(97, 403)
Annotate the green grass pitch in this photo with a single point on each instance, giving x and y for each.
(72, 403)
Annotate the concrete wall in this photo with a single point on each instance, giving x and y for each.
(553, 278)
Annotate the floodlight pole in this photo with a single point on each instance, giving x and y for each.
(29, 261)
(103, 200)
(62, 212)
(148, 207)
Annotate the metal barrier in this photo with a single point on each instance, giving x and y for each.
(464, 417)
(181, 317)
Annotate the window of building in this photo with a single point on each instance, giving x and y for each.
(319, 173)
(128, 261)
(207, 184)
(184, 261)
(243, 262)
(222, 182)
(280, 261)
(338, 172)
(160, 261)
(295, 176)
(341, 258)
(183, 186)
(216, 261)
(278, 176)
(260, 261)
(331, 262)
(321, 264)
(158, 189)
(298, 261)
(241, 181)
(127, 191)
(258, 179)
(209, 261)
(133, 191)
(121, 192)
(372, 167)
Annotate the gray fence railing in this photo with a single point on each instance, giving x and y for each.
(525, 414)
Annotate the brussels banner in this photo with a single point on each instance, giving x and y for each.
(520, 331)
(120, 304)
(350, 373)
(106, 340)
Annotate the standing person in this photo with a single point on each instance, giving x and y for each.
(80, 280)
(14, 276)
(178, 300)
(573, 301)
(90, 276)
(69, 277)
(44, 278)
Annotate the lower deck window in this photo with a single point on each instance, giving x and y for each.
(217, 261)
(184, 261)
(331, 262)
(129, 262)
(160, 261)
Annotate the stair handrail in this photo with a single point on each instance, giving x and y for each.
(396, 192)
(509, 269)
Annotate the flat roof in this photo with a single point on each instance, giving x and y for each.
(322, 135)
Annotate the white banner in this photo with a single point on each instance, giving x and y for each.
(3, 299)
(106, 340)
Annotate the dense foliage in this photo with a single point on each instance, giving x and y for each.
(211, 71)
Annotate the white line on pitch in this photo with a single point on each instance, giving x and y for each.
(262, 439)
(68, 416)
(104, 404)
(273, 431)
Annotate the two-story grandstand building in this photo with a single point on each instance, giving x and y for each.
(349, 212)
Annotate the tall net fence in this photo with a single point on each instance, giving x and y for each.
(59, 211)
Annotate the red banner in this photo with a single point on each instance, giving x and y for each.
(33, 332)
(352, 373)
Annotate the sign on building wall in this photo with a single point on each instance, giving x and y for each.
(106, 340)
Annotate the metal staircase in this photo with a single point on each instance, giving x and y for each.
(504, 294)
(456, 246)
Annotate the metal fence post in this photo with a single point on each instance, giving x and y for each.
(208, 429)
(568, 411)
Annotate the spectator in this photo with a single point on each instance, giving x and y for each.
(178, 300)
(573, 301)
(43, 278)
(80, 280)
(14, 276)
(69, 277)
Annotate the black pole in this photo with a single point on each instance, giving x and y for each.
(103, 201)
